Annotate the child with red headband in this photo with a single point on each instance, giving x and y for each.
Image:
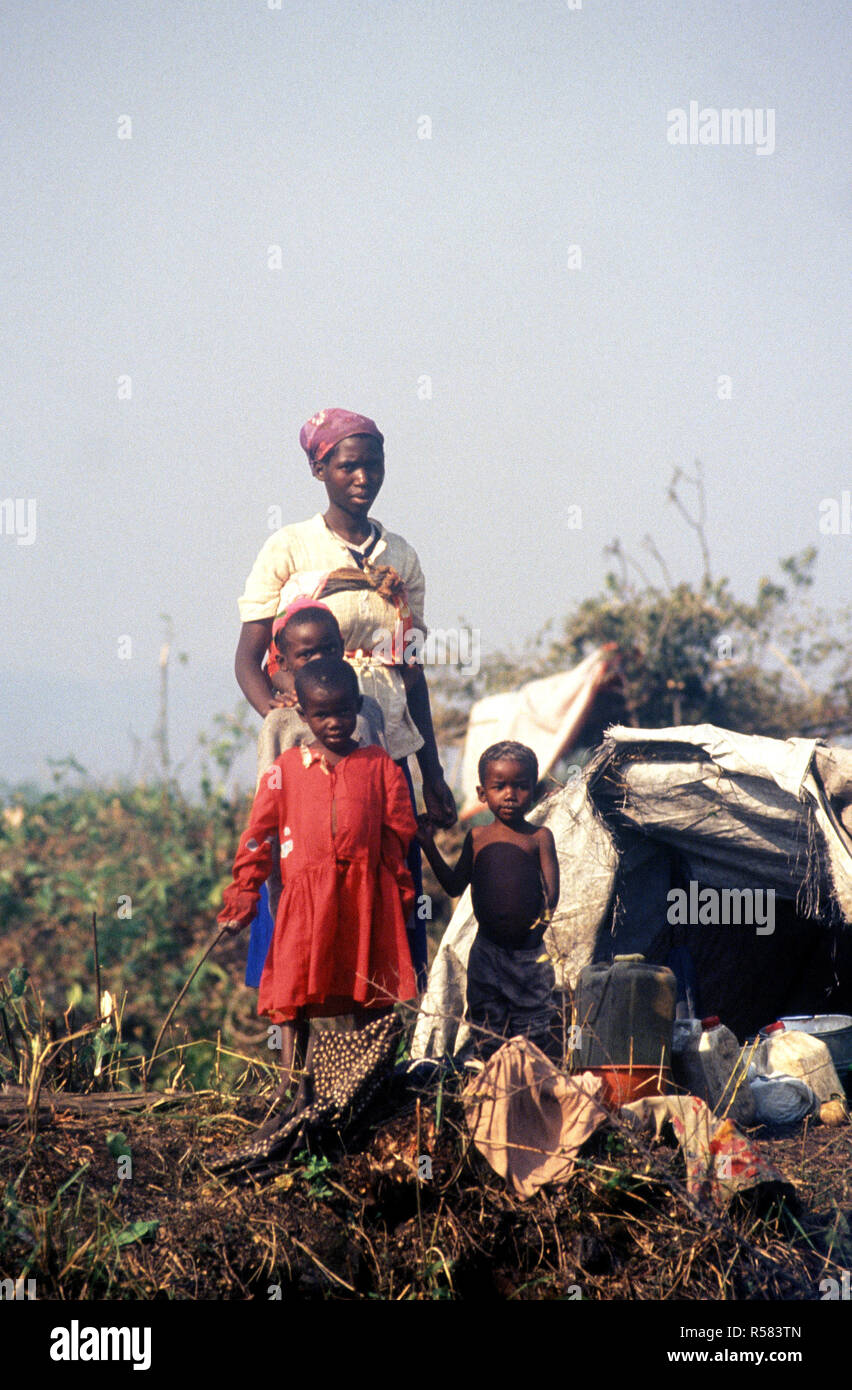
(305, 630)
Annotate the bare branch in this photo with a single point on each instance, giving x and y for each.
(696, 522)
(614, 549)
(651, 546)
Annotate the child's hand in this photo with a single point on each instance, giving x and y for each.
(425, 833)
(282, 683)
(231, 928)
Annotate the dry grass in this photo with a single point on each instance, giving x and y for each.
(358, 1222)
(109, 1194)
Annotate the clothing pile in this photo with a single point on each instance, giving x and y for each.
(529, 1121)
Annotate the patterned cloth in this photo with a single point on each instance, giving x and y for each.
(347, 1072)
(720, 1161)
(319, 435)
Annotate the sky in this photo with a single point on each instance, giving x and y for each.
(467, 221)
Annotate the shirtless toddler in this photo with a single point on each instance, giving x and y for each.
(513, 873)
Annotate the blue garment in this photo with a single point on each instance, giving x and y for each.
(262, 928)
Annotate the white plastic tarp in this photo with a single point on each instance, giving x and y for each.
(739, 813)
(544, 714)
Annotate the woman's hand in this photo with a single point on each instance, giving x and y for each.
(276, 702)
(440, 802)
(252, 679)
(283, 686)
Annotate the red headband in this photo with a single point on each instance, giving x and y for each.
(297, 606)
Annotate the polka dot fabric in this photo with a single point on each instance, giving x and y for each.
(348, 1070)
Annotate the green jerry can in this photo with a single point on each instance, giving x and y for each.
(624, 1010)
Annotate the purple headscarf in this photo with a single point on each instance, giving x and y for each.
(328, 427)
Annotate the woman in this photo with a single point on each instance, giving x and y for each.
(371, 580)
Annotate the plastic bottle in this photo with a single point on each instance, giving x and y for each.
(792, 1053)
(710, 1063)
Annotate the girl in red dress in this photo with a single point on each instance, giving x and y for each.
(340, 816)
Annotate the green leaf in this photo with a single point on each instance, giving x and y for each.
(18, 977)
(68, 1181)
(100, 1048)
(117, 1144)
(138, 1230)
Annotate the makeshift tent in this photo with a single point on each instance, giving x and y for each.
(692, 809)
(547, 715)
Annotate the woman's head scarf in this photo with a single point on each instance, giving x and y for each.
(325, 429)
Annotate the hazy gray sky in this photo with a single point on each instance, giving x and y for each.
(553, 383)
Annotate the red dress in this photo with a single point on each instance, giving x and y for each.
(343, 832)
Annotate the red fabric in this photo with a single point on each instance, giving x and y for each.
(273, 660)
(297, 606)
(340, 935)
